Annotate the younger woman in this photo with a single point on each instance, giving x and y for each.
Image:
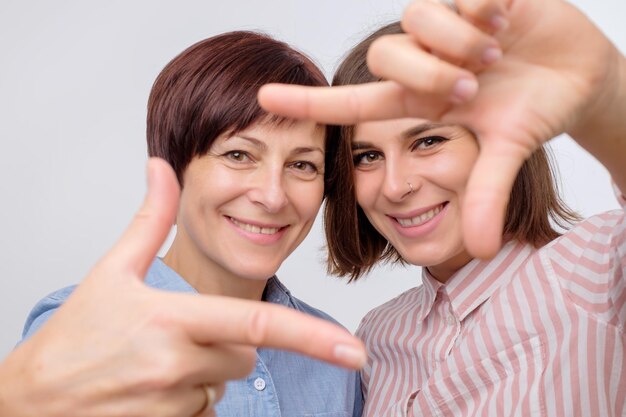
(540, 328)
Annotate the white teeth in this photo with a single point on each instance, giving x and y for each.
(255, 229)
(423, 218)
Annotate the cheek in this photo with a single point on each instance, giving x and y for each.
(204, 191)
(451, 172)
(307, 198)
(365, 189)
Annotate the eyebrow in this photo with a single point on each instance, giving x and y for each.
(259, 144)
(255, 142)
(407, 134)
(421, 128)
(304, 149)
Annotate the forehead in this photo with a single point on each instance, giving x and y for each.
(298, 129)
(300, 132)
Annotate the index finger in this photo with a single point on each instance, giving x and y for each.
(345, 105)
(215, 319)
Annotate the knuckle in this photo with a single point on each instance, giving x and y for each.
(412, 11)
(257, 327)
(478, 8)
(376, 55)
(467, 44)
(160, 316)
(471, 7)
(354, 105)
(143, 214)
(431, 77)
(379, 54)
(163, 371)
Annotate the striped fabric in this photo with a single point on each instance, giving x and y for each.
(529, 333)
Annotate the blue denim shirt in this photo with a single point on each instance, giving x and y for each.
(283, 384)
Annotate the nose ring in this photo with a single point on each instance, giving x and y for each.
(410, 187)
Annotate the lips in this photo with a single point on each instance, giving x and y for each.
(419, 217)
(255, 228)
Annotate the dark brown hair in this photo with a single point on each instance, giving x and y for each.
(211, 89)
(355, 246)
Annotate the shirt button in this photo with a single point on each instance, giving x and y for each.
(259, 384)
(451, 320)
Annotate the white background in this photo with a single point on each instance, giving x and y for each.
(74, 81)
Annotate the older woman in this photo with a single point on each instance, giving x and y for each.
(252, 185)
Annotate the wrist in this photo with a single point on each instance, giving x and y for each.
(22, 393)
(605, 108)
(12, 403)
(602, 131)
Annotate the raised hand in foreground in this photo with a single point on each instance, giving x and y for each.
(147, 352)
(516, 73)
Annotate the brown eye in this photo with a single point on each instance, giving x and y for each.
(237, 156)
(305, 169)
(366, 158)
(427, 142)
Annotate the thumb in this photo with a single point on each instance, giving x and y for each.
(136, 249)
(487, 195)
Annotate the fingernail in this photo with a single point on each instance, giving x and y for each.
(350, 355)
(464, 90)
(491, 55)
(499, 22)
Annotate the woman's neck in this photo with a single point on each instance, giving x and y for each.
(445, 270)
(208, 277)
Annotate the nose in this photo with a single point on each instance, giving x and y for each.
(268, 189)
(400, 180)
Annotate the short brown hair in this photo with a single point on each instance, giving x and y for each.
(355, 246)
(211, 89)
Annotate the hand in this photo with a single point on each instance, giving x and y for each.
(556, 73)
(120, 348)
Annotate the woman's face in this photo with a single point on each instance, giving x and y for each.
(410, 177)
(248, 203)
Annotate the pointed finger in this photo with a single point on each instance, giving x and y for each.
(348, 105)
(211, 319)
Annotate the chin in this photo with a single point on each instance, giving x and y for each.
(254, 272)
(424, 257)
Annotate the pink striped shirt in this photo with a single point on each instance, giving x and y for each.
(529, 333)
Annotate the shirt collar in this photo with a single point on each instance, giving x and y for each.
(277, 293)
(430, 287)
(474, 284)
(163, 277)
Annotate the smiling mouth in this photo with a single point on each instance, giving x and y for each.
(251, 228)
(422, 218)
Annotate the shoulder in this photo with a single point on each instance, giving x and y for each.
(308, 309)
(43, 310)
(600, 225)
(277, 293)
(596, 236)
(586, 263)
